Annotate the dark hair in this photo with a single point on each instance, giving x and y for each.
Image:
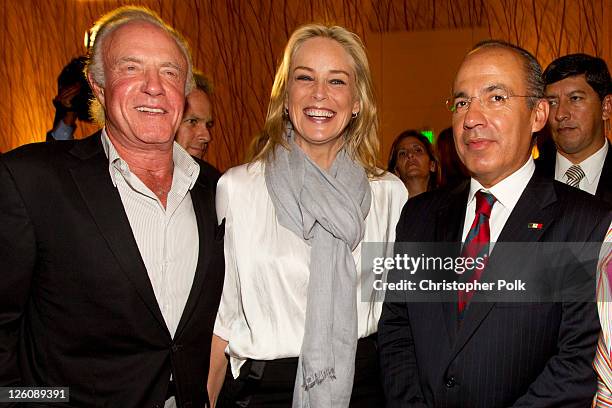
(434, 176)
(72, 74)
(202, 82)
(594, 69)
(452, 169)
(533, 70)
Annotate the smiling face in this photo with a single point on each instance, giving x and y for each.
(576, 117)
(413, 161)
(144, 93)
(321, 94)
(494, 143)
(194, 131)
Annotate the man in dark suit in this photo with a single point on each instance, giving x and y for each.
(112, 259)
(579, 91)
(464, 353)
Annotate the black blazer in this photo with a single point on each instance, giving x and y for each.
(77, 308)
(502, 354)
(546, 165)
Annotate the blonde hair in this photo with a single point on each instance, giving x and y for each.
(105, 26)
(361, 140)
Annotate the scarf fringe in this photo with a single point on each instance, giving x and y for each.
(319, 377)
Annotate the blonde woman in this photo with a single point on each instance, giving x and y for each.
(294, 319)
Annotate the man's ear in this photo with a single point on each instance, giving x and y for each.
(540, 115)
(97, 89)
(606, 107)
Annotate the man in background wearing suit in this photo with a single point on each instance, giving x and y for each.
(579, 91)
(194, 133)
(112, 260)
(491, 354)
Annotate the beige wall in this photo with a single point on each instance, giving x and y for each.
(414, 72)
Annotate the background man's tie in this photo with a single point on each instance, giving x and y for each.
(574, 174)
(477, 242)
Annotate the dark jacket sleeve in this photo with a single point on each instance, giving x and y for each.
(569, 380)
(17, 260)
(398, 366)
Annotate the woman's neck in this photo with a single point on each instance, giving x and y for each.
(416, 185)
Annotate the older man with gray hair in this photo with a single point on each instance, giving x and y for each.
(112, 259)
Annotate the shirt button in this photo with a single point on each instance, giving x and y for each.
(450, 382)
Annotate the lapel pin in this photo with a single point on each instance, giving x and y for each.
(534, 225)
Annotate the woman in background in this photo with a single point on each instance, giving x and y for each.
(298, 312)
(412, 159)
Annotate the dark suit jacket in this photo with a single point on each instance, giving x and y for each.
(77, 308)
(546, 165)
(502, 354)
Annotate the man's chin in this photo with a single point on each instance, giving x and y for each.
(482, 171)
(195, 152)
(570, 148)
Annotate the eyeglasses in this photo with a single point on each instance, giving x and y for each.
(491, 100)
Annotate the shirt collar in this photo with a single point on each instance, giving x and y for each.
(508, 191)
(591, 166)
(183, 162)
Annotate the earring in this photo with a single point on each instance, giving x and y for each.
(354, 115)
(286, 112)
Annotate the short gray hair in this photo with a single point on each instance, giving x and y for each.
(533, 70)
(106, 25)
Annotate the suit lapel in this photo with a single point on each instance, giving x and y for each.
(201, 196)
(534, 206)
(104, 203)
(449, 229)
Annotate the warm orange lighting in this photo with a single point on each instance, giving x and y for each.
(535, 152)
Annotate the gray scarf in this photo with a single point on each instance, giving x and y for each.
(327, 210)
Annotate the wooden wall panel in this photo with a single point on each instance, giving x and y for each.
(238, 44)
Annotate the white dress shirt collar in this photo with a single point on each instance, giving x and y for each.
(591, 166)
(506, 190)
(183, 162)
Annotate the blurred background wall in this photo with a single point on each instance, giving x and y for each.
(415, 47)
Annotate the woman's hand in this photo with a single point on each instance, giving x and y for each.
(218, 365)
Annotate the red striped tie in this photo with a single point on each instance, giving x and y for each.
(477, 242)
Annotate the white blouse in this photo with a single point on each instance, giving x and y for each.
(263, 306)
